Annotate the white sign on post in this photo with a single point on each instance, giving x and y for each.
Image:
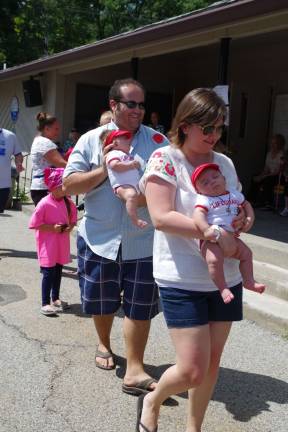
(14, 109)
(223, 92)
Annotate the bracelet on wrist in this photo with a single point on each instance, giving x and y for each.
(217, 232)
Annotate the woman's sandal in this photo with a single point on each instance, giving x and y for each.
(139, 413)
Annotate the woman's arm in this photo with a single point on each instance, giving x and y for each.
(55, 159)
(160, 197)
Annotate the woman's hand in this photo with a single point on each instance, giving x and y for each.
(244, 221)
(239, 221)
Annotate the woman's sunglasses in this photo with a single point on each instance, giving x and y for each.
(209, 130)
(133, 104)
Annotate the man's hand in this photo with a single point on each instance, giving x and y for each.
(136, 164)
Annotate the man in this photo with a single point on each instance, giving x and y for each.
(9, 146)
(154, 119)
(113, 254)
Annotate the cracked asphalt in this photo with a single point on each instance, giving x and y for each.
(48, 381)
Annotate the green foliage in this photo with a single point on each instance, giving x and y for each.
(30, 29)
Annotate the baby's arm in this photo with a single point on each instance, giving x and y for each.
(119, 166)
(200, 217)
(225, 239)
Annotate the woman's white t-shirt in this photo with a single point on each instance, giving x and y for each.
(40, 147)
(274, 163)
(177, 261)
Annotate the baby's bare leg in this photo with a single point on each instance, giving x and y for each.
(215, 259)
(244, 255)
(130, 196)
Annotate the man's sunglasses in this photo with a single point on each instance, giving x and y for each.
(133, 104)
(209, 130)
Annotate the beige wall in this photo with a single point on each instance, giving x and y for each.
(258, 66)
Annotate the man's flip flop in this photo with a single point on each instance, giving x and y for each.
(139, 413)
(104, 355)
(142, 387)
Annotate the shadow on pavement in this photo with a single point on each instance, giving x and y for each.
(246, 395)
(12, 253)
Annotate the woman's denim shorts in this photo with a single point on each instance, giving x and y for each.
(184, 308)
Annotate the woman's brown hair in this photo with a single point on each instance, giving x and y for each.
(44, 119)
(200, 106)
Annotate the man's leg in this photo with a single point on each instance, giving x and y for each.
(136, 336)
(103, 325)
(100, 295)
(140, 303)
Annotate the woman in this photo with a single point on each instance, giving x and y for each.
(198, 320)
(44, 153)
(262, 189)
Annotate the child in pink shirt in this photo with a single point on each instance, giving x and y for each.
(53, 219)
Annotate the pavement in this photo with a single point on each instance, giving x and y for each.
(49, 381)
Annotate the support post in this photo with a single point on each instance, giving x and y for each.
(223, 60)
(134, 67)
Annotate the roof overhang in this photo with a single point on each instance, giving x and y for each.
(234, 19)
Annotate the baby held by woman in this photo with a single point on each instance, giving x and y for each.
(214, 211)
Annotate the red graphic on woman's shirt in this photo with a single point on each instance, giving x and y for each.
(170, 169)
(157, 154)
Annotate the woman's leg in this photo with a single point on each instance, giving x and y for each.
(37, 195)
(200, 396)
(192, 347)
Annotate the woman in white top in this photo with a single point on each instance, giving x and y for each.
(262, 189)
(198, 320)
(44, 153)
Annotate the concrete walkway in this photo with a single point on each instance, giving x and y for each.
(49, 382)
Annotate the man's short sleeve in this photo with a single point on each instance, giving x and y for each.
(16, 145)
(80, 160)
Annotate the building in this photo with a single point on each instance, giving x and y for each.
(241, 43)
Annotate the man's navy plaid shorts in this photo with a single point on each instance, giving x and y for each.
(102, 280)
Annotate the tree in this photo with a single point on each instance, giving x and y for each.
(30, 29)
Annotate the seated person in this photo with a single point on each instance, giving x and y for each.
(262, 188)
(154, 119)
(215, 209)
(123, 171)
